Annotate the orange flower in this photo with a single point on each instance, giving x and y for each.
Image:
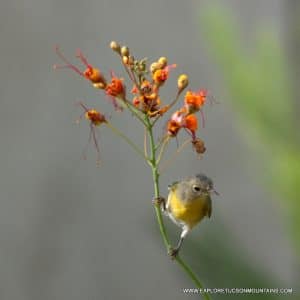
(180, 119)
(116, 88)
(175, 123)
(148, 101)
(148, 104)
(146, 87)
(136, 102)
(96, 118)
(195, 100)
(173, 128)
(90, 73)
(191, 123)
(161, 75)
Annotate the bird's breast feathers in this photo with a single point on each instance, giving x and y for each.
(188, 213)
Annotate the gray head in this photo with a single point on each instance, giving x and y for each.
(201, 183)
(195, 186)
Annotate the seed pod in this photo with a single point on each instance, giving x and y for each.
(198, 145)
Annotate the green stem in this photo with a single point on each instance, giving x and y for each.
(162, 150)
(127, 140)
(162, 228)
(134, 111)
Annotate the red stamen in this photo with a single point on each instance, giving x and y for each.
(80, 55)
(67, 63)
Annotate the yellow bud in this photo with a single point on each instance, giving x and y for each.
(125, 51)
(182, 82)
(162, 62)
(99, 85)
(125, 59)
(153, 67)
(115, 47)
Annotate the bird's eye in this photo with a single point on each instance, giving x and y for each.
(196, 188)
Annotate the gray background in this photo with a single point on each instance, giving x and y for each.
(70, 230)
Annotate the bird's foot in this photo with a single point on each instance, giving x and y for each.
(173, 252)
(160, 202)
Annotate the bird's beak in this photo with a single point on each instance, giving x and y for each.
(215, 192)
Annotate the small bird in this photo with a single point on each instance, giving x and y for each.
(189, 201)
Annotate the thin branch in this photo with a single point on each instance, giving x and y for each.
(162, 228)
(145, 143)
(134, 111)
(131, 76)
(128, 140)
(162, 149)
(173, 155)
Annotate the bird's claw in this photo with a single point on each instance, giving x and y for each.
(173, 252)
(159, 201)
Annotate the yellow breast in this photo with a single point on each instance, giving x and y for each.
(190, 213)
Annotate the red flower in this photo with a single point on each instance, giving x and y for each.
(96, 118)
(148, 101)
(116, 88)
(175, 123)
(161, 75)
(90, 73)
(191, 123)
(180, 119)
(195, 100)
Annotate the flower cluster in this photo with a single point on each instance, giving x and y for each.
(144, 100)
(186, 118)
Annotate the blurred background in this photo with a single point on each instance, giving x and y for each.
(70, 230)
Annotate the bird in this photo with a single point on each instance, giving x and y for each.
(188, 202)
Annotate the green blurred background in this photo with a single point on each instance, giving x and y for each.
(70, 230)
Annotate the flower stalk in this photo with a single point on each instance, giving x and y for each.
(155, 176)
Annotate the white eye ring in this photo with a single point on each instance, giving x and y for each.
(196, 188)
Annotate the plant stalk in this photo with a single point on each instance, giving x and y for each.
(162, 228)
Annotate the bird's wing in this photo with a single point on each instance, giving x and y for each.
(209, 207)
(172, 185)
(171, 188)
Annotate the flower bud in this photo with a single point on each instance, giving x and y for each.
(153, 67)
(99, 85)
(125, 59)
(125, 51)
(182, 82)
(115, 47)
(162, 62)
